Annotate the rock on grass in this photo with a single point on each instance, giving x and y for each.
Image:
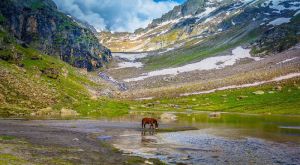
(259, 92)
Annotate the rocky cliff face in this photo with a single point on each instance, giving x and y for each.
(190, 7)
(39, 24)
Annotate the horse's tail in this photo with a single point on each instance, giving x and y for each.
(143, 123)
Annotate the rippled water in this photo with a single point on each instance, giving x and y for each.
(229, 139)
(196, 138)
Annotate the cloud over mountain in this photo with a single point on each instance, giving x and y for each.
(116, 15)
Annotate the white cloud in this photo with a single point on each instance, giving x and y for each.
(116, 15)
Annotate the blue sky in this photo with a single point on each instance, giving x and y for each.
(117, 15)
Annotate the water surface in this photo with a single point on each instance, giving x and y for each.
(224, 139)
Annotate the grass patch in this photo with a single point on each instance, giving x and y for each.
(166, 38)
(102, 107)
(2, 18)
(37, 5)
(284, 101)
(8, 159)
(5, 137)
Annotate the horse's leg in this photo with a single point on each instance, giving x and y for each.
(152, 132)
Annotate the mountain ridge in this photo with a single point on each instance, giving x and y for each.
(181, 27)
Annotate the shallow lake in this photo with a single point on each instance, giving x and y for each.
(218, 139)
(192, 137)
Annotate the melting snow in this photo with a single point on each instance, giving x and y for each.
(291, 75)
(145, 98)
(130, 57)
(279, 21)
(232, 22)
(218, 62)
(207, 11)
(276, 5)
(129, 65)
(298, 12)
(287, 60)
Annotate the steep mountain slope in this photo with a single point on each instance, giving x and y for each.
(207, 22)
(207, 45)
(35, 84)
(34, 81)
(39, 24)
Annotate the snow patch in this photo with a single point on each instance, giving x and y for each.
(279, 21)
(232, 22)
(278, 6)
(298, 12)
(130, 57)
(145, 98)
(289, 76)
(129, 65)
(218, 62)
(207, 11)
(287, 60)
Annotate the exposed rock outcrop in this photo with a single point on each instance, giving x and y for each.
(39, 24)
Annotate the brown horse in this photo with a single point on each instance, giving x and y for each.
(150, 121)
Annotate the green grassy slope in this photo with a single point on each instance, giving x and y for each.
(31, 81)
(268, 40)
(211, 46)
(278, 98)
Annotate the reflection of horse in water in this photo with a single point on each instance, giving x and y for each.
(151, 121)
(147, 136)
(148, 132)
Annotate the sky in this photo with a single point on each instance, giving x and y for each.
(117, 15)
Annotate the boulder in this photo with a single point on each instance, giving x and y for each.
(215, 115)
(76, 139)
(278, 88)
(259, 92)
(51, 72)
(44, 112)
(148, 162)
(241, 97)
(2, 99)
(68, 112)
(168, 117)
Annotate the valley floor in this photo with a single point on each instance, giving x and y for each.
(244, 71)
(270, 85)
